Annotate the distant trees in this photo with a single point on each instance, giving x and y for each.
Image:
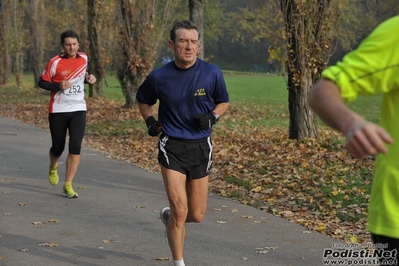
(196, 8)
(250, 31)
(357, 19)
(5, 64)
(36, 54)
(18, 44)
(142, 27)
(96, 55)
(238, 35)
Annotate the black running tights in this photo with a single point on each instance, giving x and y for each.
(75, 123)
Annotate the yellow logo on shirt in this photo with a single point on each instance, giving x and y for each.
(200, 92)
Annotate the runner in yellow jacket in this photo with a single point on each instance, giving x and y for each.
(371, 69)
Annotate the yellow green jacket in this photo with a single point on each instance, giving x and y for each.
(373, 68)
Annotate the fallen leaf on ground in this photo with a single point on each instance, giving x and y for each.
(256, 189)
(353, 239)
(163, 258)
(262, 251)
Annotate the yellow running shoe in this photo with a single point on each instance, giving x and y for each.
(53, 176)
(68, 191)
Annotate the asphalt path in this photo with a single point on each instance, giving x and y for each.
(115, 221)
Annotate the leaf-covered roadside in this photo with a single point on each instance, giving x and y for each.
(315, 183)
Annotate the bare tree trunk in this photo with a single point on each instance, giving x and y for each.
(17, 45)
(36, 48)
(197, 17)
(309, 26)
(130, 91)
(5, 66)
(95, 67)
(302, 119)
(124, 79)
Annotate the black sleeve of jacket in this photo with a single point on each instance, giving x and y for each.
(49, 86)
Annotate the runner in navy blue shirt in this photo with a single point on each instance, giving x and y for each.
(183, 94)
(192, 97)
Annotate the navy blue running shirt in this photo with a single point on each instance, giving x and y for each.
(183, 94)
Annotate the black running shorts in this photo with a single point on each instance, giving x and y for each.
(192, 158)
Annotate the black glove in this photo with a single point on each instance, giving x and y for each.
(206, 121)
(154, 128)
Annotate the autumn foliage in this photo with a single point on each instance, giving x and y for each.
(315, 183)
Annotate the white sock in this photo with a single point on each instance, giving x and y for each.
(179, 263)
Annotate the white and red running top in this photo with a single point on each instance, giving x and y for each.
(73, 70)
